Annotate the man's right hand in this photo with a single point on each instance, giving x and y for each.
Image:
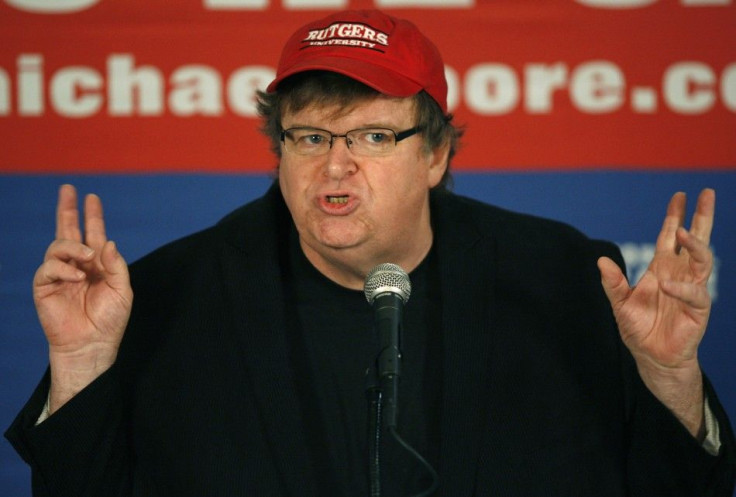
(83, 298)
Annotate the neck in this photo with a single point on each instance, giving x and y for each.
(348, 269)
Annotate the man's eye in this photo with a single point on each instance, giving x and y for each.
(377, 137)
(309, 139)
(313, 139)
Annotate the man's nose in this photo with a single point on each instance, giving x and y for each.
(340, 160)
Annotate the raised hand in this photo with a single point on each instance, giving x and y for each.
(83, 298)
(663, 318)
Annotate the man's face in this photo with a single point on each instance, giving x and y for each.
(352, 211)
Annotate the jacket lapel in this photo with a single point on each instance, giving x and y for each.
(467, 280)
(254, 283)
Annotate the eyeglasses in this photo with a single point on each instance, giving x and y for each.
(363, 141)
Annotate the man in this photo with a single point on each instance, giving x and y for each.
(240, 367)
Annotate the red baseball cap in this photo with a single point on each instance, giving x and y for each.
(388, 54)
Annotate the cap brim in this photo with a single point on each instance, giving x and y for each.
(379, 78)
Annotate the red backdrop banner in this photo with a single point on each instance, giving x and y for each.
(154, 85)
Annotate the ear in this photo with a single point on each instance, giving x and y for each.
(438, 164)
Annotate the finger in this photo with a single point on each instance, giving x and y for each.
(614, 282)
(117, 269)
(702, 223)
(69, 251)
(675, 217)
(94, 222)
(113, 261)
(67, 215)
(696, 296)
(55, 271)
(700, 254)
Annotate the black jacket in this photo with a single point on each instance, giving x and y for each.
(540, 398)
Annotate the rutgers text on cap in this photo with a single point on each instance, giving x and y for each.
(386, 53)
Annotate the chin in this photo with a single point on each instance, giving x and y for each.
(338, 242)
(338, 236)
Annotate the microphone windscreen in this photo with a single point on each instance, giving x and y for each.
(384, 278)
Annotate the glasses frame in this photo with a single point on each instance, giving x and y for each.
(398, 136)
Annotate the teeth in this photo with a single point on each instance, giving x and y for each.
(337, 200)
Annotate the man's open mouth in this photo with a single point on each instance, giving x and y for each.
(337, 199)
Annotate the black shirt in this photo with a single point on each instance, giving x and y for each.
(334, 342)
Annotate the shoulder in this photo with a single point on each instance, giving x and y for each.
(521, 243)
(491, 220)
(248, 226)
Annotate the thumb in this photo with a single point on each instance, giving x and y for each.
(614, 282)
(116, 268)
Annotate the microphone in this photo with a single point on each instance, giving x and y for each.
(387, 289)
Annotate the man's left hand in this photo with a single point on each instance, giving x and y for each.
(663, 318)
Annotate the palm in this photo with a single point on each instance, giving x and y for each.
(76, 313)
(664, 317)
(658, 325)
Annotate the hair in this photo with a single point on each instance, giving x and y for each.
(325, 88)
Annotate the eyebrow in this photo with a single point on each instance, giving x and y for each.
(362, 126)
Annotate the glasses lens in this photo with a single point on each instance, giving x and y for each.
(307, 141)
(372, 141)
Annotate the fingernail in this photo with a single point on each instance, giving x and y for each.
(88, 252)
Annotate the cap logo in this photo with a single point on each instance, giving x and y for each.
(348, 34)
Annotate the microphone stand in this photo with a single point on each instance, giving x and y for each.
(375, 400)
(378, 414)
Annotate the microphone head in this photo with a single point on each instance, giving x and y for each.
(384, 278)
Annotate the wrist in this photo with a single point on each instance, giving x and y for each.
(72, 372)
(681, 391)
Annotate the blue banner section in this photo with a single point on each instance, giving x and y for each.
(143, 212)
